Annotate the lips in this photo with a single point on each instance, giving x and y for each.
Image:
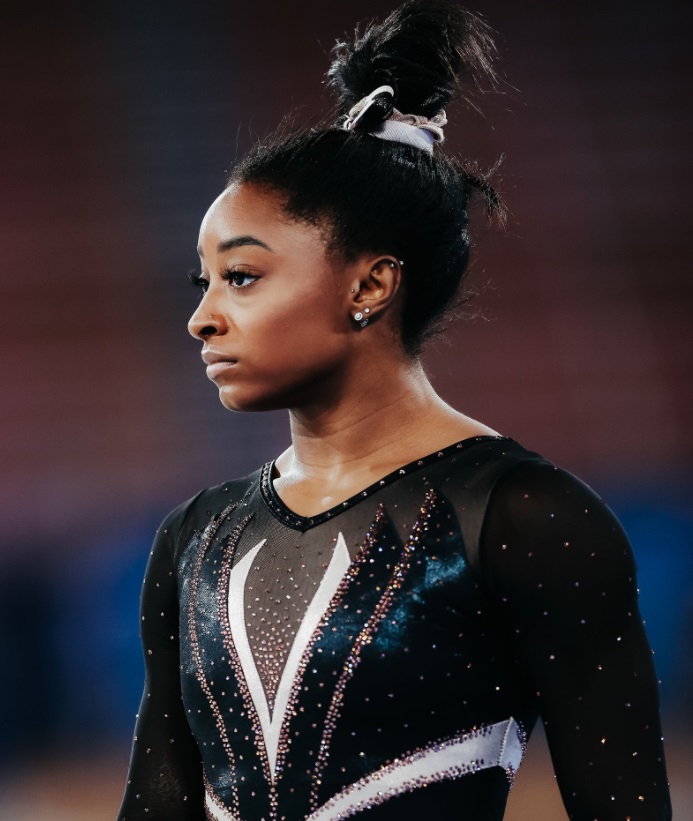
(217, 362)
(220, 367)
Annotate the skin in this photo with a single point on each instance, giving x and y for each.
(284, 324)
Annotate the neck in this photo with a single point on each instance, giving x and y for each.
(375, 420)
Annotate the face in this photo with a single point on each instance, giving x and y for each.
(274, 315)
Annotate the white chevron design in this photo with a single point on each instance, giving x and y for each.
(271, 721)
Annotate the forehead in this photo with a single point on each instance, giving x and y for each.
(251, 210)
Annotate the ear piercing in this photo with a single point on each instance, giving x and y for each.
(360, 318)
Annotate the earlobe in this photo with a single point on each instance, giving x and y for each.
(361, 318)
(376, 286)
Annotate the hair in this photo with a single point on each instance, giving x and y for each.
(378, 196)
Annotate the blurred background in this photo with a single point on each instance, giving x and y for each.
(119, 123)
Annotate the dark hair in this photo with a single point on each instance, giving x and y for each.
(379, 196)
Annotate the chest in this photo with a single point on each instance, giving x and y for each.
(272, 616)
(333, 649)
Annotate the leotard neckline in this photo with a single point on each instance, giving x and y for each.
(287, 516)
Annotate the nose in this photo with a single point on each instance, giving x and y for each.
(203, 324)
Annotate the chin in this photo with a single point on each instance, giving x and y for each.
(276, 390)
(234, 399)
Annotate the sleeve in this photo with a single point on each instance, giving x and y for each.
(164, 780)
(560, 567)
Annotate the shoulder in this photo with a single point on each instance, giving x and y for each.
(547, 533)
(478, 463)
(535, 493)
(193, 515)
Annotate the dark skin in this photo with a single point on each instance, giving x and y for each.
(276, 322)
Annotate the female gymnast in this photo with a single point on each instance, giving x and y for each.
(370, 625)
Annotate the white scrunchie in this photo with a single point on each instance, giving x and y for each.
(410, 129)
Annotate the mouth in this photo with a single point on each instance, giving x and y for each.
(219, 366)
(217, 362)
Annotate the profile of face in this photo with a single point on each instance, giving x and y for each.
(276, 313)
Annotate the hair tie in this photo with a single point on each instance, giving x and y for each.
(410, 129)
(359, 109)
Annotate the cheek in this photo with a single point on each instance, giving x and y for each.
(289, 363)
(284, 349)
(303, 324)
(300, 340)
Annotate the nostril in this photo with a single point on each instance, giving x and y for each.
(204, 326)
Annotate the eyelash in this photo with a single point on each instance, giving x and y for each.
(202, 283)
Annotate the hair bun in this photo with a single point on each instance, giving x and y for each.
(422, 49)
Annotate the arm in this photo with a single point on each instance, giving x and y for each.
(561, 568)
(165, 776)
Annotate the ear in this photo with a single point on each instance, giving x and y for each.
(374, 285)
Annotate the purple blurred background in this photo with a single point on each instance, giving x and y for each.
(119, 122)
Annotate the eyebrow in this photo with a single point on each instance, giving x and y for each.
(237, 242)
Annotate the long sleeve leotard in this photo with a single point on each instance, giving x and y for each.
(388, 658)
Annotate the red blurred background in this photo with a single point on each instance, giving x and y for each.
(119, 122)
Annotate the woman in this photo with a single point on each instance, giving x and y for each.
(371, 624)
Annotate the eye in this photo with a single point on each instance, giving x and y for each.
(198, 281)
(238, 278)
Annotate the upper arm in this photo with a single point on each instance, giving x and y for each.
(559, 565)
(165, 774)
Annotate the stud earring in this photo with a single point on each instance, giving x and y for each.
(359, 317)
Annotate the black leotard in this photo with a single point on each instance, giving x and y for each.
(387, 659)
